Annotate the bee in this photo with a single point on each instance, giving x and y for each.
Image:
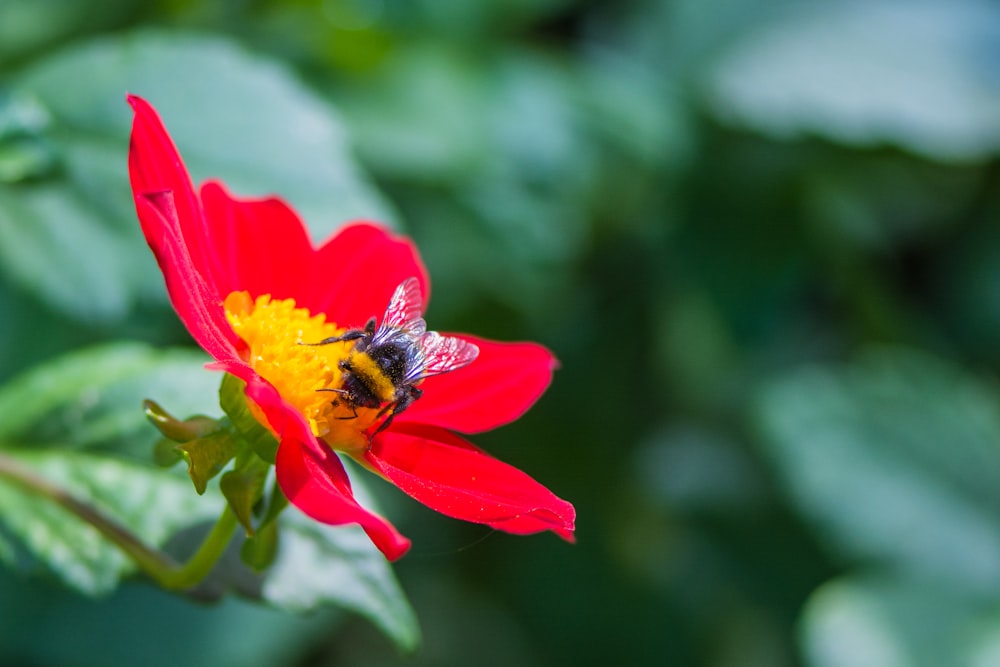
(389, 360)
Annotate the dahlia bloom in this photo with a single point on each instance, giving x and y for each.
(256, 293)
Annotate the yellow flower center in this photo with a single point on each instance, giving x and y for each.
(275, 330)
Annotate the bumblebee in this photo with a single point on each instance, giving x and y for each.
(387, 361)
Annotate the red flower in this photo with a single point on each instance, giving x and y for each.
(250, 287)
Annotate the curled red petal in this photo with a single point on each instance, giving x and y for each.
(260, 245)
(197, 304)
(359, 267)
(452, 476)
(310, 475)
(317, 484)
(155, 166)
(498, 387)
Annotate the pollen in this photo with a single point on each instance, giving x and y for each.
(280, 339)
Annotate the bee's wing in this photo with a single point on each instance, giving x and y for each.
(403, 313)
(443, 353)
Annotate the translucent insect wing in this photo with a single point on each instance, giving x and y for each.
(445, 353)
(403, 314)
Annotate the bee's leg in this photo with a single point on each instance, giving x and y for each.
(353, 334)
(412, 394)
(343, 392)
(354, 412)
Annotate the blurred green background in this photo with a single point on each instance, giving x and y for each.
(762, 237)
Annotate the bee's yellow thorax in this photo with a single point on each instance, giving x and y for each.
(366, 370)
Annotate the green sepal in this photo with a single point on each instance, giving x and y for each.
(278, 502)
(242, 489)
(206, 457)
(175, 429)
(260, 549)
(166, 454)
(234, 404)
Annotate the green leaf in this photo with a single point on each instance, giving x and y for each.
(244, 119)
(319, 565)
(44, 536)
(868, 73)
(871, 621)
(895, 459)
(93, 397)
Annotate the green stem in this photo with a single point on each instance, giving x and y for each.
(204, 559)
(158, 565)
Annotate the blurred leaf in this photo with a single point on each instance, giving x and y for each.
(57, 245)
(689, 468)
(319, 565)
(886, 200)
(23, 155)
(877, 622)
(31, 333)
(26, 25)
(422, 116)
(149, 502)
(243, 119)
(676, 37)
(894, 459)
(637, 110)
(21, 159)
(94, 397)
(472, 20)
(966, 277)
(922, 75)
(232, 633)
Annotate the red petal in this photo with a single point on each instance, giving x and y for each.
(360, 267)
(260, 245)
(498, 387)
(310, 475)
(172, 223)
(155, 166)
(450, 475)
(197, 304)
(317, 484)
